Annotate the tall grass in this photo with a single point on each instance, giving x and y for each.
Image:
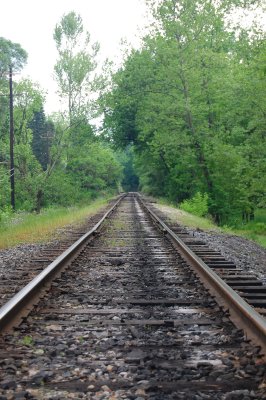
(254, 230)
(34, 228)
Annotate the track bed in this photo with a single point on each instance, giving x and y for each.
(129, 320)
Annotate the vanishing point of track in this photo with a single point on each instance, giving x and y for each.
(128, 318)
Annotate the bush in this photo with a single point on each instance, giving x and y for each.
(197, 205)
(257, 227)
(5, 214)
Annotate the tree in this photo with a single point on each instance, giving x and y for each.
(12, 59)
(130, 180)
(74, 68)
(43, 132)
(95, 168)
(14, 56)
(11, 55)
(185, 101)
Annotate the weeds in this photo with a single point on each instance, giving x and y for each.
(32, 228)
(27, 341)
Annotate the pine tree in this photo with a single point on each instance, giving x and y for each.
(43, 132)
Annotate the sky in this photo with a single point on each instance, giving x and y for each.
(31, 24)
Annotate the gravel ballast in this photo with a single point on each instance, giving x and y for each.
(20, 264)
(245, 253)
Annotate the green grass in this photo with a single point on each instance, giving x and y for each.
(184, 218)
(24, 228)
(38, 228)
(193, 221)
(253, 230)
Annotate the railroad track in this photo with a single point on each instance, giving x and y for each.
(128, 318)
(21, 270)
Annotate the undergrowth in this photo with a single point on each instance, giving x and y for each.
(254, 230)
(197, 205)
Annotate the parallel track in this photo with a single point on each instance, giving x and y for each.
(222, 284)
(128, 319)
(20, 270)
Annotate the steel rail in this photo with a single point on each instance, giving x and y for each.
(241, 313)
(10, 313)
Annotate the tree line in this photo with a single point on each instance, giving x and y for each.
(59, 159)
(184, 115)
(191, 102)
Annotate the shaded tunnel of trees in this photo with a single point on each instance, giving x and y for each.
(183, 114)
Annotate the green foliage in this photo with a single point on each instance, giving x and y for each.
(181, 109)
(5, 214)
(11, 54)
(43, 132)
(130, 181)
(91, 170)
(27, 341)
(197, 205)
(71, 27)
(61, 189)
(58, 160)
(95, 167)
(4, 187)
(257, 225)
(254, 230)
(259, 228)
(75, 65)
(186, 102)
(23, 227)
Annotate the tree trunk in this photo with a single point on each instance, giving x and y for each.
(39, 201)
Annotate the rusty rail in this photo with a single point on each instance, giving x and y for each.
(20, 305)
(241, 313)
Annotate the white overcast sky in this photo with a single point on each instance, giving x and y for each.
(31, 23)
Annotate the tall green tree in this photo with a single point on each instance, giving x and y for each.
(184, 102)
(43, 132)
(75, 65)
(12, 59)
(11, 55)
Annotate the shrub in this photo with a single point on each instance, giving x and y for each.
(259, 228)
(197, 205)
(5, 214)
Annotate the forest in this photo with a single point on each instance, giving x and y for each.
(59, 159)
(182, 118)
